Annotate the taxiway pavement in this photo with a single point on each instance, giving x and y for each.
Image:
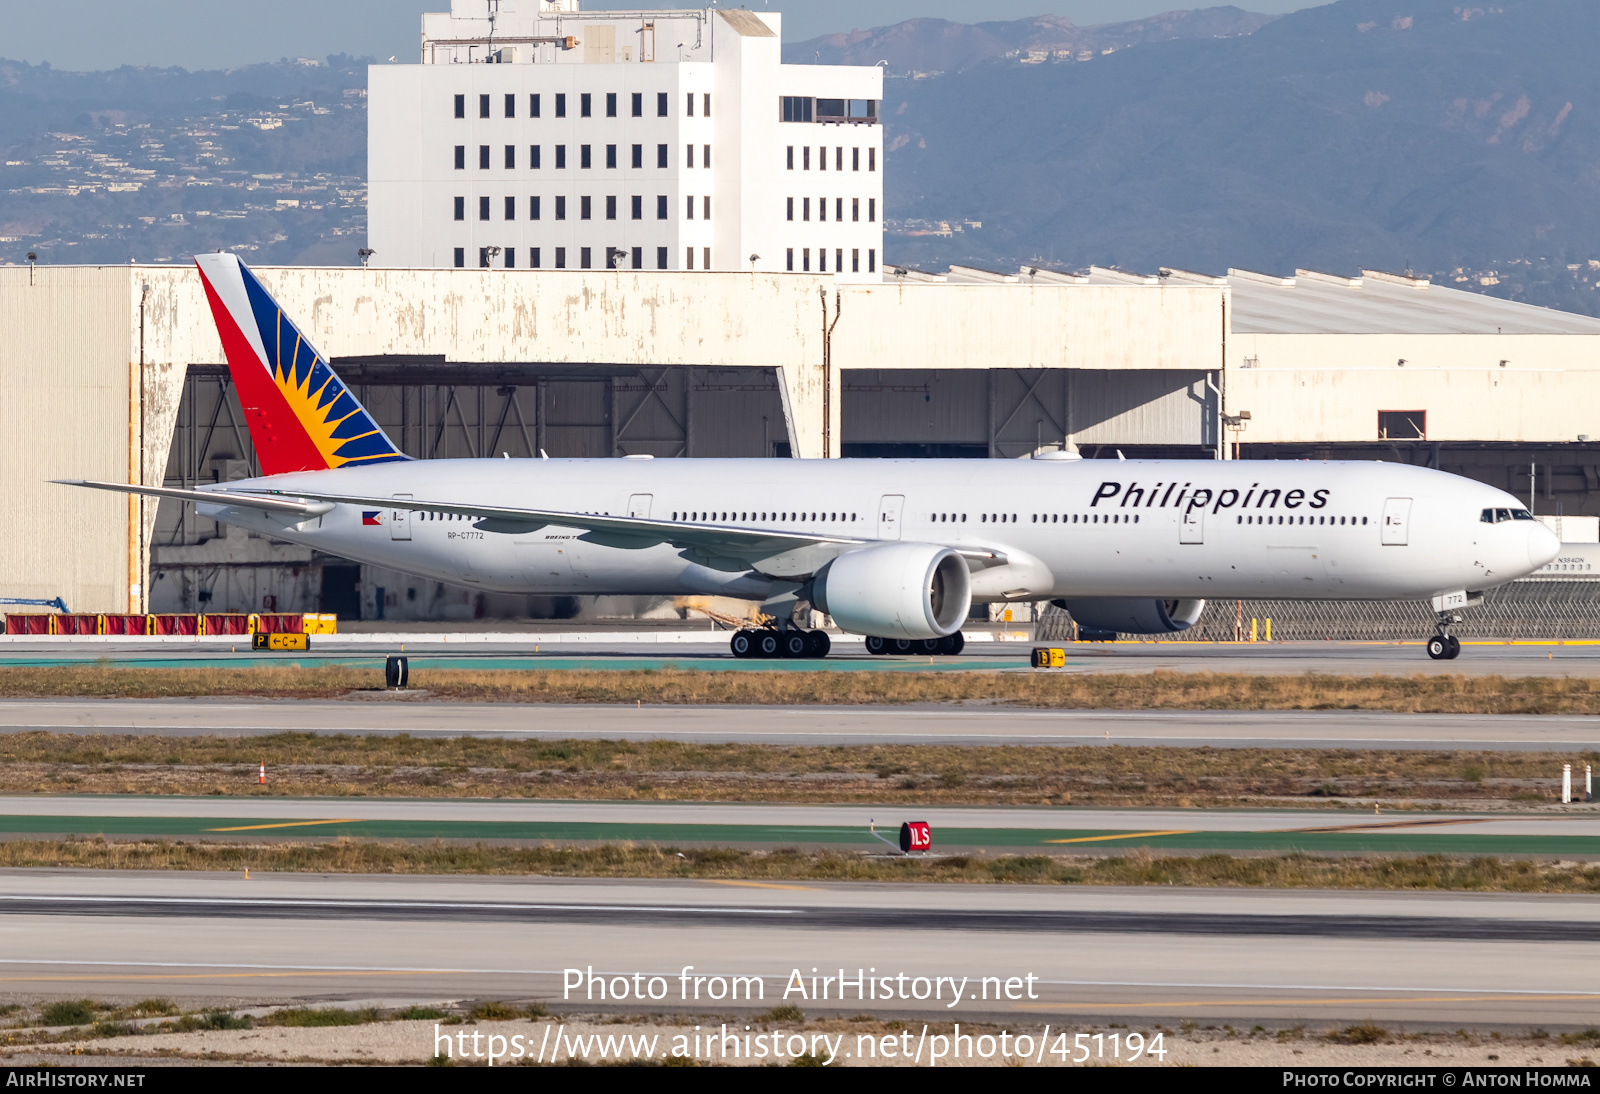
(618, 651)
(391, 713)
(1136, 956)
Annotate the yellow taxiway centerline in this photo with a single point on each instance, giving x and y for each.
(286, 824)
(1123, 835)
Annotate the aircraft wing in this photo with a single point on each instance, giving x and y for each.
(774, 552)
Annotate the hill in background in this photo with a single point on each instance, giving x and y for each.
(1390, 134)
(1453, 138)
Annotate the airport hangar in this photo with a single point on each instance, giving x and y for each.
(117, 373)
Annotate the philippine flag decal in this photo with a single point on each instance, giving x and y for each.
(372, 516)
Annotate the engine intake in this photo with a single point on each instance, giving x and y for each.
(1131, 616)
(895, 590)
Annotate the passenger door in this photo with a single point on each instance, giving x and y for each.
(889, 507)
(639, 505)
(400, 518)
(1396, 522)
(1192, 525)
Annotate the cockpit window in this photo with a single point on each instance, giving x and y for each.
(1495, 516)
(1501, 514)
(1488, 516)
(1521, 514)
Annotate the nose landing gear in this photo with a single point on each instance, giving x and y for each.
(1445, 646)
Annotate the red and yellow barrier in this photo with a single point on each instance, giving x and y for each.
(200, 625)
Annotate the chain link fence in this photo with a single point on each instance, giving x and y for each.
(1539, 609)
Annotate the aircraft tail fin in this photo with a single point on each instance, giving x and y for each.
(300, 414)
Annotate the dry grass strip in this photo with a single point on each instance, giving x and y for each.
(335, 765)
(1142, 867)
(1153, 691)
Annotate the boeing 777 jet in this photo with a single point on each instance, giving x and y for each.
(896, 550)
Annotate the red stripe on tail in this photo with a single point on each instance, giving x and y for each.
(281, 442)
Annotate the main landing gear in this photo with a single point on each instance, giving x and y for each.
(769, 642)
(1445, 646)
(948, 646)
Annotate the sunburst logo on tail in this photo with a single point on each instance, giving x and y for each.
(301, 415)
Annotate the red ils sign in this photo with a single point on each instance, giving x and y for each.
(915, 836)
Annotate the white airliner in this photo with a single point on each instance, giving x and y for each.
(897, 550)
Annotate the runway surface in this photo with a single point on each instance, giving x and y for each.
(856, 725)
(1137, 956)
(1575, 832)
(611, 650)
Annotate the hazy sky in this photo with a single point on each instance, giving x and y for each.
(96, 34)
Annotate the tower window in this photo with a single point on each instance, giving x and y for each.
(461, 106)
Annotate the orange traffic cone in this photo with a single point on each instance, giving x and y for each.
(263, 779)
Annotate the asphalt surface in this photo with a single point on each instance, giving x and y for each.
(619, 650)
(975, 725)
(1138, 956)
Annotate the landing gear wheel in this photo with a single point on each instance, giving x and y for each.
(929, 646)
(1439, 647)
(818, 644)
(742, 644)
(1455, 648)
(877, 645)
(767, 644)
(950, 645)
(901, 645)
(793, 644)
(958, 643)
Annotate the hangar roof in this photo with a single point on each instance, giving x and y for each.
(1317, 303)
(1379, 303)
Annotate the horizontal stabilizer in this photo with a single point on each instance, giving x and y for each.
(263, 503)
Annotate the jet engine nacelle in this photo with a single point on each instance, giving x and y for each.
(1131, 616)
(895, 590)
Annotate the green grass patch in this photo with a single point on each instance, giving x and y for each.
(322, 1016)
(1436, 872)
(1121, 691)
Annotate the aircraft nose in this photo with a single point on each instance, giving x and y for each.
(1543, 545)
